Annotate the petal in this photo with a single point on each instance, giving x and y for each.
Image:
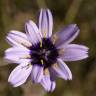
(37, 73)
(20, 74)
(48, 84)
(65, 69)
(46, 23)
(73, 52)
(67, 35)
(62, 70)
(16, 38)
(53, 74)
(32, 32)
(17, 49)
(14, 54)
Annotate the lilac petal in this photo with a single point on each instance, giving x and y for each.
(62, 70)
(11, 59)
(17, 49)
(14, 54)
(74, 52)
(48, 84)
(67, 35)
(20, 74)
(32, 32)
(37, 73)
(53, 74)
(65, 69)
(16, 38)
(46, 23)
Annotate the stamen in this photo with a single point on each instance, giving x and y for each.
(44, 34)
(41, 44)
(42, 62)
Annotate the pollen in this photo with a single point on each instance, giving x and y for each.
(40, 44)
(45, 34)
(42, 62)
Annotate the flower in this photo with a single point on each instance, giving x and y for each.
(41, 55)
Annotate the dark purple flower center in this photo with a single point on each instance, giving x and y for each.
(45, 54)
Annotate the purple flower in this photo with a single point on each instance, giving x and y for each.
(41, 55)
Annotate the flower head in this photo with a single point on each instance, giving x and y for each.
(41, 55)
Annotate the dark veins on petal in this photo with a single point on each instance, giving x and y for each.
(44, 55)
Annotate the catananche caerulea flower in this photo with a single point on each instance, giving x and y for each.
(40, 54)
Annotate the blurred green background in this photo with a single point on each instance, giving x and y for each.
(13, 15)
